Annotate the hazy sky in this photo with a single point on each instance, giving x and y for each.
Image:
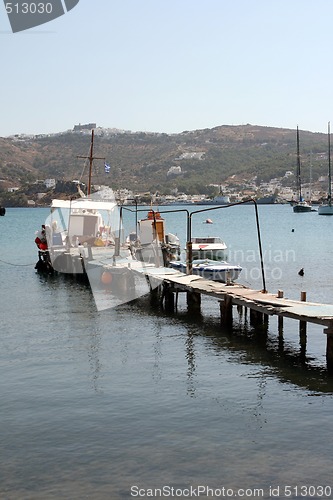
(170, 65)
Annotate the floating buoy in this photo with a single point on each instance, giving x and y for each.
(106, 278)
(301, 272)
(293, 230)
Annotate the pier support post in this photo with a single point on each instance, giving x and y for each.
(169, 301)
(256, 317)
(302, 329)
(193, 301)
(226, 311)
(329, 347)
(169, 298)
(240, 311)
(155, 294)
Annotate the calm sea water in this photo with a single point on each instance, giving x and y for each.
(113, 404)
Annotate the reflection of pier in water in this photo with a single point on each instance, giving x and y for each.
(166, 284)
(255, 344)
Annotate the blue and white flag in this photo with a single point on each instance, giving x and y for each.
(107, 168)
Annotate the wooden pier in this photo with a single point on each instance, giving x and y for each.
(261, 304)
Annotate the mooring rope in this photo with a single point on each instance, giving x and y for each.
(15, 264)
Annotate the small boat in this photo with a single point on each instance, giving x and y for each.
(220, 199)
(327, 208)
(208, 221)
(301, 205)
(220, 271)
(151, 237)
(211, 247)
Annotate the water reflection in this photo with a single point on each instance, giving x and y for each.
(190, 357)
(257, 344)
(247, 341)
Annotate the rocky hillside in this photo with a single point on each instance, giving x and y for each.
(148, 161)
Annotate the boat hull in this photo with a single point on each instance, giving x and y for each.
(215, 271)
(325, 210)
(301, 208)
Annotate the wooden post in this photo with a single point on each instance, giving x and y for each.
(280, 294)
(168, 297)
(193, 301)
(226, 311)
(169, 301)
(189, 257)
(280, 330)
(302, 330)
(154, 295)
(256, 317)
(329, 347)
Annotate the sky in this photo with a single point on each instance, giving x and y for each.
(170, 66)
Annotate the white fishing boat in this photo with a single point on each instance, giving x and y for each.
(81, 230)
(212, 270)
(327, 208)
(301, 205)
(208, 247)
(85, 228)
(151, 239)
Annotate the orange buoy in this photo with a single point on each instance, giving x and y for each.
(106, 278)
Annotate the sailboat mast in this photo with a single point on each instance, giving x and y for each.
(90, 161)
(91, 158)
(298, 169)
(329, 166)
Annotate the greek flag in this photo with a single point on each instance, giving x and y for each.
(107, 168)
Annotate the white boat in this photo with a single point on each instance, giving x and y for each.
(211, 247)
(217, 271)
(327, 208)
(81, 230)
(220, 199)
(301, 205)
(151, 243)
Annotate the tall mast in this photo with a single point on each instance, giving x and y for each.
(91, 158)
(329, 166)
(298, 169)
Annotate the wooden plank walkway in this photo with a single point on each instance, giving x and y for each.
(264, 303)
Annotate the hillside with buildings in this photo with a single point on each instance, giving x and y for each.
(243, 161)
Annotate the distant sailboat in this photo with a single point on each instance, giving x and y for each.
(327, 208)
(301, 205)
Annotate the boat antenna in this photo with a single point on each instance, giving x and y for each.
(91, 158)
